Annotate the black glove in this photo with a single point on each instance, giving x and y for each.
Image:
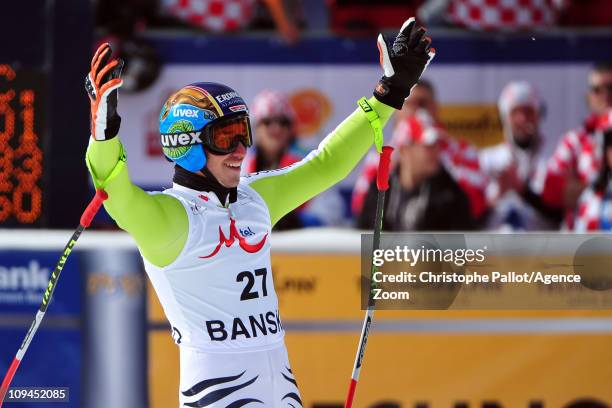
(101, 85)
(403, 63)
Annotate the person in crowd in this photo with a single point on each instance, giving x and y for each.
(517, 166)
(274, 118)
(459, 157)
(275, 148)
(594, 209)
(576, 160)
(600, 87)
(422, 195)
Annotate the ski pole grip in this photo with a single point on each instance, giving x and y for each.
(382, 177)
(93, 207)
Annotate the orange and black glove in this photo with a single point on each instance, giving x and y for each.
(101, 84)
(403, 63)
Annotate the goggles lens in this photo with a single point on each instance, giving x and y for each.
(225, 137)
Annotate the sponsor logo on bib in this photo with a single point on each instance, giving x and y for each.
(235, 235)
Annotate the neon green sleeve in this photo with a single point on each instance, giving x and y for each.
(286, 189)
(158, 223)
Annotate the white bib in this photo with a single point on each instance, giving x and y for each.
(219, 293)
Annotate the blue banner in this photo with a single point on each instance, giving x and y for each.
(54, 356)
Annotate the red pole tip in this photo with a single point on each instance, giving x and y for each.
(8, 378)
(351, 394)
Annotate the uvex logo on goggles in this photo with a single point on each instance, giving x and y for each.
(180, 139)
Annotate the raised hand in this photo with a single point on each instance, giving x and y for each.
(403, 63)
(101, 85)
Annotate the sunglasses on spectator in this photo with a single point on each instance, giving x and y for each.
(282, 121)
(599, 89)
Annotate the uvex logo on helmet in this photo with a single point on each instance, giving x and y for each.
(180, 139)
(185, 112)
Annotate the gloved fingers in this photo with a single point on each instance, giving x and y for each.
(416, 37)
(96, 56)
(100, 66)
(110, 86)
(423, 45)
(431, 54)
(116, 73)
(100, 59)
(385, 60)
(400, 45)
(407, 28)
(103, 76)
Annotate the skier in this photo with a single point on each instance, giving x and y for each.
(205, 242)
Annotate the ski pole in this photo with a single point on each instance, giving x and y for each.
(85, 221)
(382, 184)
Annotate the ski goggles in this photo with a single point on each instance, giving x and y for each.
(220, 137)
(223, 137)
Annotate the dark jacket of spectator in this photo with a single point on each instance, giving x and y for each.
(436, 204)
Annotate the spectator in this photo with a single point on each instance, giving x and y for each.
(595, 203)
(422, 196)
(459, 158)
(507, 15)
(517, 166)
(274, 120)
(600, 87)
(576, 160)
